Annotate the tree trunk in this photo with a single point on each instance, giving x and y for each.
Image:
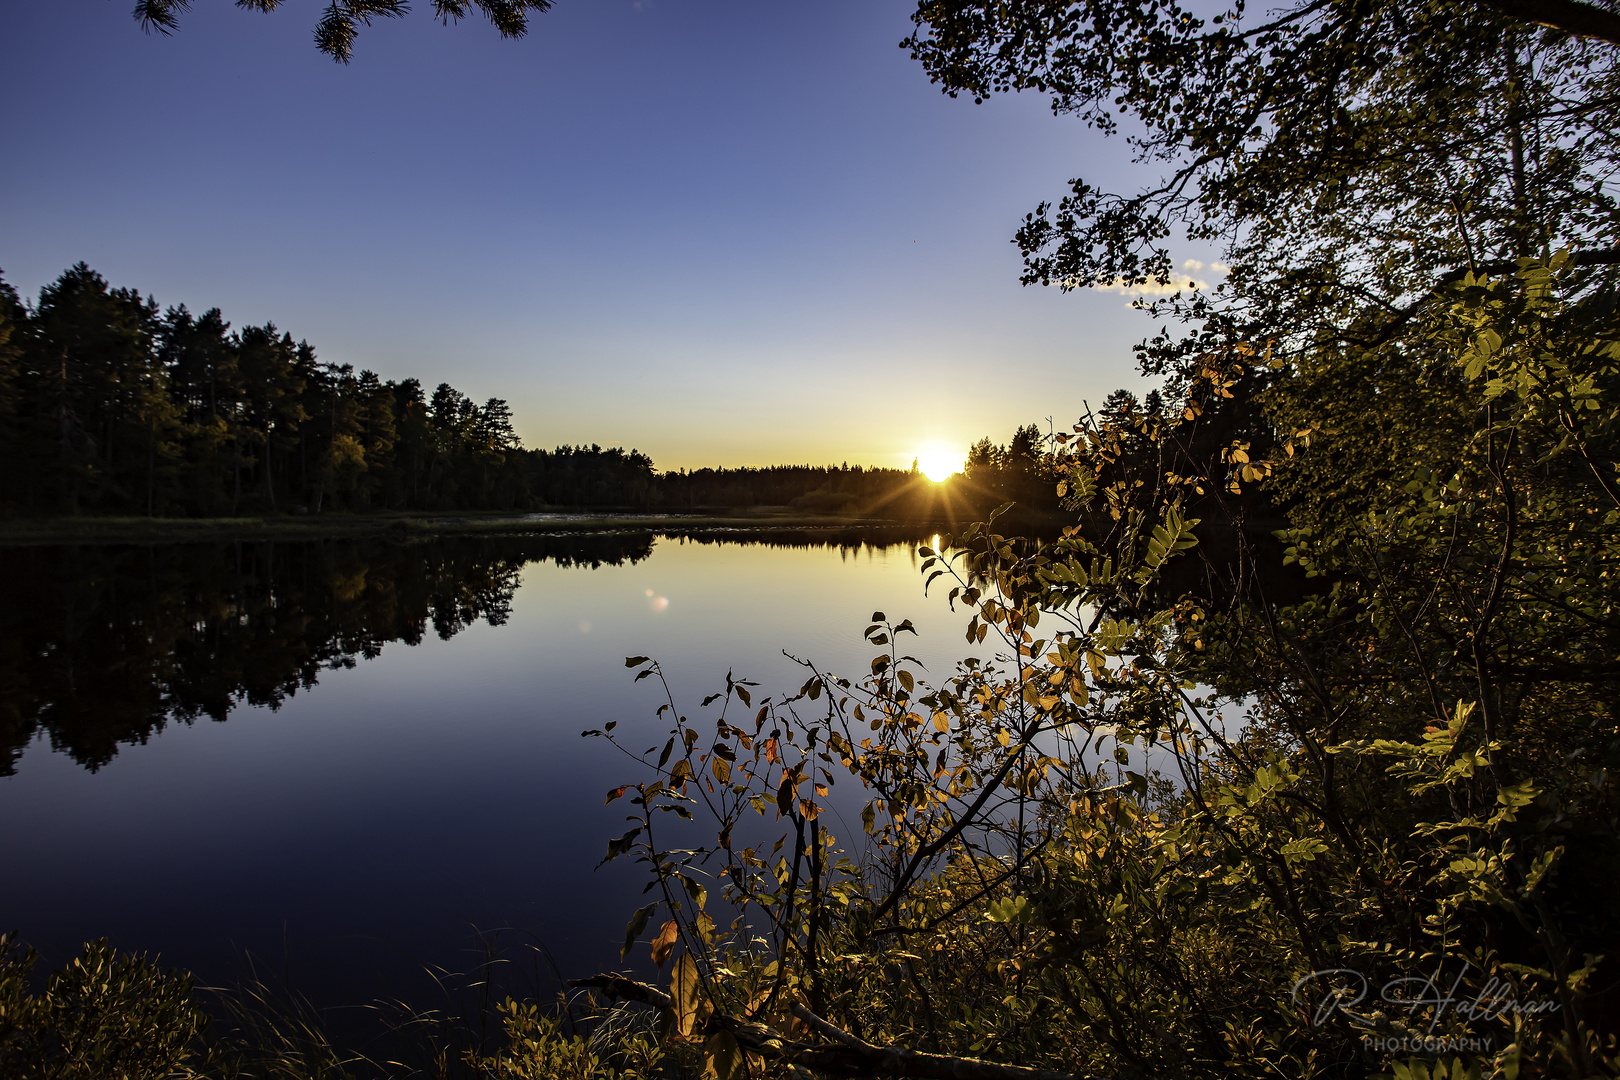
(269, 476)
(70, 479)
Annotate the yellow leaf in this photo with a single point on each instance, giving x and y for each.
(723, 1058)
(692, 1007)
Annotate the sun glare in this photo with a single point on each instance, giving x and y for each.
(938, 464)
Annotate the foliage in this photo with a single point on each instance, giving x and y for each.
(109, 405)
(1346, 159)
(341, 19)
(1200, 830)
(103, 1017)
(538, 1047)
(1020, 471)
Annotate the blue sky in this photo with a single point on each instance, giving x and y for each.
(723, 232)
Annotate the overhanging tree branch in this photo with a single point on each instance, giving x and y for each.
(1570, 16)
(1602, 257)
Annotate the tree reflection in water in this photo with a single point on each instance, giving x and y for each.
(101, 647)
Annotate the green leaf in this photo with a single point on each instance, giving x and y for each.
(633, 929)
(1013, 909)
(1304, 849)
(622, 845)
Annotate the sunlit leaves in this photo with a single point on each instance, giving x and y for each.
(692, 1005)
(1012, 909)
(103, 1014)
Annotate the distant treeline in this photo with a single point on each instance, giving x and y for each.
(614, 477)
(110, 404)
(1021, 471)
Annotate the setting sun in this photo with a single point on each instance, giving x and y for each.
(938, 464)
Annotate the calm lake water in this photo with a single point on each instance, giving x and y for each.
(345, 759)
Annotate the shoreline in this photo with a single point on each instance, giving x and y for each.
(19, 532)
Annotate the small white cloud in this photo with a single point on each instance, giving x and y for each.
(1154, 288)
(1192, 264)
(1220, 268)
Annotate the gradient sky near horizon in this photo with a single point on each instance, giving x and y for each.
(724, 232)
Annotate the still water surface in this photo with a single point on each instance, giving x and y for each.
(342, 758)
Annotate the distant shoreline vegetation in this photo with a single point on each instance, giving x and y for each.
(113, 406)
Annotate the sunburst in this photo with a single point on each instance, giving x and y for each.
(938, 463)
